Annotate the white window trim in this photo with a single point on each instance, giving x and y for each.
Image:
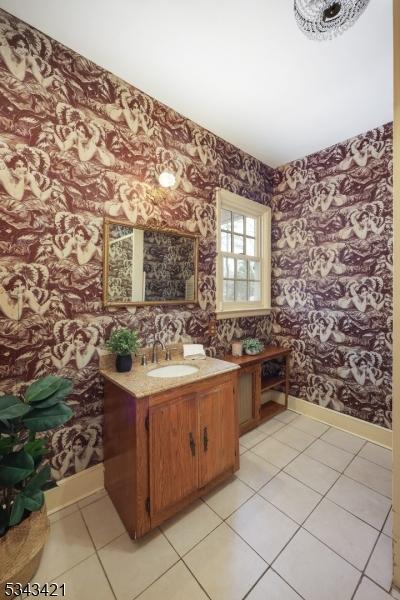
(235, 203)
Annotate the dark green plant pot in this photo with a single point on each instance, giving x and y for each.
(123, 363)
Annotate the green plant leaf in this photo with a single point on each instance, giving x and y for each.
(15, 467)
(5, 427)
(17, 511)
(12, 407)
(55, 398)
(37, 481)
(46, 386)
(34, 501)
(47, 418)
(6, 446)
(36, 448)
(123, 341)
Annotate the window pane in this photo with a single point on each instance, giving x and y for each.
(229, 268)
(226, 220)
(250, 226)
(238, 223)
(254, 270)
(238, 244)
(254, 291)
(241, 269)
(229, 294)
(226, 239)
(250, 247)
(241, 290)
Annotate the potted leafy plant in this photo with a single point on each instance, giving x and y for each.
(252, 346)
(23, 476)
(123, 343)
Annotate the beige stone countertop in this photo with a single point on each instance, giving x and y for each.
(137, 383)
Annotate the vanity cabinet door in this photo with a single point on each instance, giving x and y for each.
(218, 432)
(173, 452)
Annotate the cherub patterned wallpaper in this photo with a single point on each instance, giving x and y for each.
(78, 144)
(332, 275)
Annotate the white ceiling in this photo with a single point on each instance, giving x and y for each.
(240, 68)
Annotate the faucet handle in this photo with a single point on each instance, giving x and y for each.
(168, 352)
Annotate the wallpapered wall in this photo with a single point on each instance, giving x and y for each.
(76, 144)
(332, 274)
(169, 264)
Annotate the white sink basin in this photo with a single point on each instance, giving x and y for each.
(173, 371)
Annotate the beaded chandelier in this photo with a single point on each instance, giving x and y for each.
(325, 19)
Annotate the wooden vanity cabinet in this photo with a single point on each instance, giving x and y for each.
(161, 452)
(252, 384)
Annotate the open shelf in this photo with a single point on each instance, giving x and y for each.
(270, 409)
(252, 385)
(269, 382)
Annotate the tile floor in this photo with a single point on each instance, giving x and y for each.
(306, 517)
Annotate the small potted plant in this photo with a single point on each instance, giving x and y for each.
(24, 525)
(252, 346)
(123, 343)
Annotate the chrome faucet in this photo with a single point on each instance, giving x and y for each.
(154, 352)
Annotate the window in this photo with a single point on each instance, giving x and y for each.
(243, 269)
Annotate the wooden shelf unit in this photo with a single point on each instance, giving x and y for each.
(251, 385)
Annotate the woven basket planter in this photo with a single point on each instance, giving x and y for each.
(21, 550)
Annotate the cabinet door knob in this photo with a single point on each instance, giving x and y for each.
(192, 444)
(205, 439)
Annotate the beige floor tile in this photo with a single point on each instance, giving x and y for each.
(290, 496)
(255, 471)
(176, 584)
(190, 526)
(287, 416)
(242, 449)
(315, 571)
(225, 565)
(270, 427)
(250, 439)
(263, 527)
(317, 476)
(371, 475)
(342, 532)
(69, 543)
(309, 425)
(380, 566)
(369, 591)
(275, 452)
(272, 587)
(102, 521)
(377, 454)
(388, 529)
(86, 580)
(342, 439)
(226, 498)
(329, 455)
(92, 498)
(131, 566)
(64, 512)
(295, 438)
(361, 501)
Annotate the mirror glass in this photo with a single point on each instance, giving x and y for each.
(148, 265)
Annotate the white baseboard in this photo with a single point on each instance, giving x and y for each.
(75, 488)
(369, 431)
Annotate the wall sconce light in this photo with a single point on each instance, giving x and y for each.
(166, 179)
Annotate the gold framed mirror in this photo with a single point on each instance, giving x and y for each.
(148, 265)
